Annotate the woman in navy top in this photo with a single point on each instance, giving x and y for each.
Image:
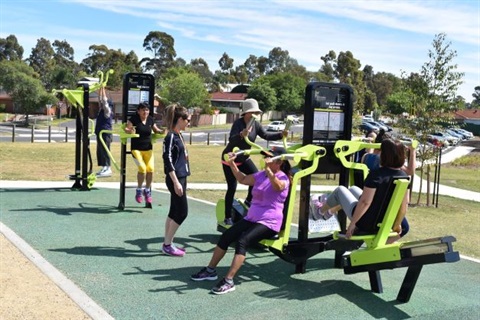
(177, 169)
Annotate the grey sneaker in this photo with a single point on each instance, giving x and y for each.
(223, 287)
(204, 275)
(228, 222)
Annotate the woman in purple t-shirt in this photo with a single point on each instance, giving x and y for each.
(264, 218)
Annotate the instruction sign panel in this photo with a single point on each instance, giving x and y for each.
(137, 88)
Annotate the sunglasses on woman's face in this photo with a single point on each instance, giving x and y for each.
(185, 117)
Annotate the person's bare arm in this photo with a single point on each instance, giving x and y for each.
(241, 177)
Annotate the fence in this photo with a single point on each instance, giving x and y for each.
(212, 138)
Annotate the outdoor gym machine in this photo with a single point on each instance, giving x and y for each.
(327, 118)
(137, 88)
(79, 98)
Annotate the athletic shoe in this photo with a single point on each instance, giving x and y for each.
(138, 196)
(172, 251)
(204, 275)
(323, 200)
(147, 193)
(179, 248)
(105, 172)
(316, 204)
(223, 287)
(228, 221)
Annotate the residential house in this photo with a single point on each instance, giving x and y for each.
(469, 119)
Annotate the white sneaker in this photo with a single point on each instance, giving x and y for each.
(105, 172)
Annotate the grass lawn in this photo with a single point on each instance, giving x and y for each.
(55, 161)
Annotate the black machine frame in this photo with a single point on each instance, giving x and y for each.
(137, 88)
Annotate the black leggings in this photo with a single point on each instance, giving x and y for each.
(244, 233)
(178, 205)
(102, 156)
(247, 167)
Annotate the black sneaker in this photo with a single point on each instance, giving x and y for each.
(223, 287)
(204, 275)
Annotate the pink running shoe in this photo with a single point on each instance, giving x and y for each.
(147, 193)
(172, 251)
(138, 196)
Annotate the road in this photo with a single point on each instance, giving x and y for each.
(211, 136)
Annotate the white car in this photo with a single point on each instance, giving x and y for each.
(276, 126)
(295, 119)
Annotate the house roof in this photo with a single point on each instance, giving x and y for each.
(228, 96)
(467, 114)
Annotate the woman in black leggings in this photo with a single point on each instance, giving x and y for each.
(241, 128)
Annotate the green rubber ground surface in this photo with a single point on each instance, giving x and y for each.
(114, 256)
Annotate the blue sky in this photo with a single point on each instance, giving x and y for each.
(391, 36)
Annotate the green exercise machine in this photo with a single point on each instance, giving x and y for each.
(79, 98)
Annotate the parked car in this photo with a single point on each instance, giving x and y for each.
(294, 118)
(379, 125)
(451, 140)
(389, 128)
(367, 117)
(466, 133)
(365, 126)
(438, 141)
(276, 126)
(455, 134)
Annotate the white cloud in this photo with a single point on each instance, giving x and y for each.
(388, 35)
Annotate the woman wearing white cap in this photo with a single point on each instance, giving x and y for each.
(238, 132)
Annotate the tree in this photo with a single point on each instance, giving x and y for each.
(476, 98)
(289, 90)
(65, 71)
(264, 94)
(185, 87)
(200, 66)
(346, 69)
(433, 93)
(161, 44)
(251, 67)
(225, 63)
(64, 54)
(10, 49)
(27, 92)
(103, 59)
(278, 60)
(41, 60)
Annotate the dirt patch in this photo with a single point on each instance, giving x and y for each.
(26, 293)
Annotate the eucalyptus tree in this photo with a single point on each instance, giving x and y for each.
(42, 61)
(101, 58)
(162, 46)
(200, 66)
(10, 49)
(476, 97)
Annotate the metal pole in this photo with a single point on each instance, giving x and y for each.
(13, 133)
(225, 141)
(208, 138)
(435, 179)
(438, 182)
(32, 139)
(49, 134)
(66, 134)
